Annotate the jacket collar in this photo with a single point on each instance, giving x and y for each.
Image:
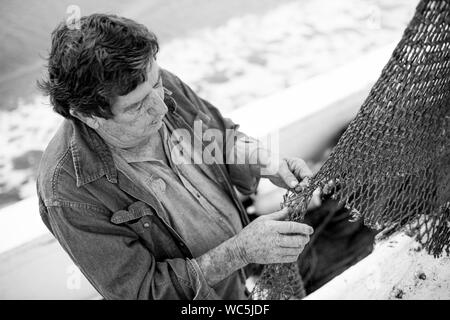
(91, 156)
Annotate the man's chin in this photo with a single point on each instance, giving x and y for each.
(153, 128)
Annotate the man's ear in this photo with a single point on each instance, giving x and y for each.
(89, 121)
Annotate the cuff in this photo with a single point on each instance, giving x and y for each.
(202, 290)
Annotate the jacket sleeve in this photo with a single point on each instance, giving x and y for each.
(244, 175)
(116, 263)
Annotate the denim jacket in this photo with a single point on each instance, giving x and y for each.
(111, 228)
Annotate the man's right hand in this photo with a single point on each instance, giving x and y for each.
(268, 239)
(271, 239)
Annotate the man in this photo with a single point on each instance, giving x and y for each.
(137, 222)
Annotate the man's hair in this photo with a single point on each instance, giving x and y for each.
(88, 67)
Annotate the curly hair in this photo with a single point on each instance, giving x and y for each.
(88, 67)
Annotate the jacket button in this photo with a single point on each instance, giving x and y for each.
(146, 225)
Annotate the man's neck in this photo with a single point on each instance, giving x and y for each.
(152, 149)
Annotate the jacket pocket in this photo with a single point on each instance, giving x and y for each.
(134, 214)
(141, 218)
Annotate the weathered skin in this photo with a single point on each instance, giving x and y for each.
(268, 239)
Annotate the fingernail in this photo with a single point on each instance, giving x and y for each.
(311, 230)
(293, 183)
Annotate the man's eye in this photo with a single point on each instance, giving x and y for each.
(141, 104)
(135, 108)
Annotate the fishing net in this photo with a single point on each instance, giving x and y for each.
(391, 167)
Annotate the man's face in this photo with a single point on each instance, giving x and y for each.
(137, 115)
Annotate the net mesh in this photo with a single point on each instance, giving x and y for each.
(391, 167)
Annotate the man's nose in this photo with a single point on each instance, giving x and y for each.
(158, 105)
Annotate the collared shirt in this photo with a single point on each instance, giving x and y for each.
(195, 205)
(115, 230)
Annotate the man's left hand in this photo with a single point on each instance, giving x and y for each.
(289, 173)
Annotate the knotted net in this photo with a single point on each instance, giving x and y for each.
(391, 167)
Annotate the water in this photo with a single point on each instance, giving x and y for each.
(230, 52)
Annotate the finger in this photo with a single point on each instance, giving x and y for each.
(292, 252)
(281, 215)
(293, 227)
(316, 200)
(293, 241)
(289, 252)
(299, 168)
(328, 187)
(304, 183)
(288, 259)
(286, 175)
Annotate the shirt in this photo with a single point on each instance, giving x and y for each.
(196, 206)
(117, 231)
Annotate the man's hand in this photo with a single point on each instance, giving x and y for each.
(270, 239)
(285, 173)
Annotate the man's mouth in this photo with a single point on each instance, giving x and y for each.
(156, 121)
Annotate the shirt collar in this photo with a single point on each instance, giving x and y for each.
(169, 100)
